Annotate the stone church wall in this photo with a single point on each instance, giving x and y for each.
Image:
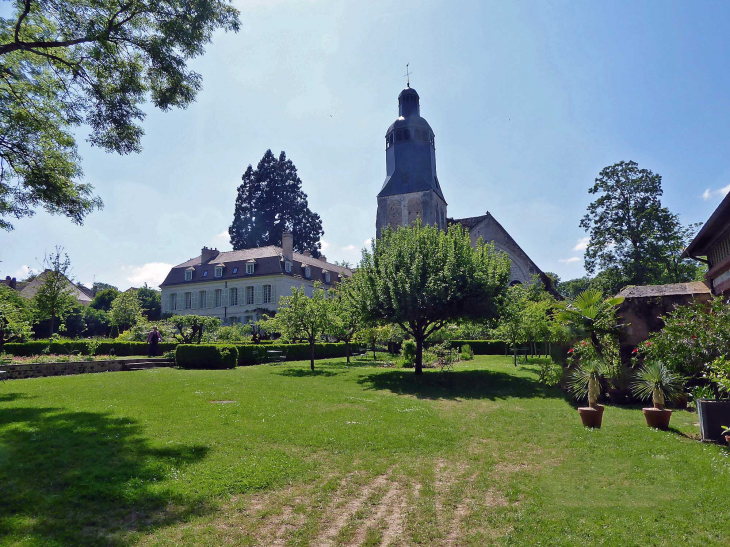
(404, 209)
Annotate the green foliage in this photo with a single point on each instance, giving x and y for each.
(422, 278)
(151, 301)
(15, 317)
(632, 236)
(237, 333)
(300, 317)
(254, 354)
(693, 337)
(702, 392)
(408, 353)
(104, 298)
(573, 287)
(592, 316)
(719, 374)
(92, 62)
(656, 381)
(270, 201)
(585, 380)
(140, 332)
(126, 310)
(484, 347)
(206, 356)
(81, 347)
(551, 374)
(74, 325)
(190, 328)
(344, 317)
(467, 354)
(98, 322)
(53, 300)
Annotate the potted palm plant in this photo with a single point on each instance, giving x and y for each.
(655, 380)
(585, 382)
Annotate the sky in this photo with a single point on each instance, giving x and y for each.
(528, 101)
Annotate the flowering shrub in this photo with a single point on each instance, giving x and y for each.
(693, 337)
(719, 374)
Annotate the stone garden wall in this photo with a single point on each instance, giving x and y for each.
(39, 370)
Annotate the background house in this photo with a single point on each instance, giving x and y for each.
(240, 286)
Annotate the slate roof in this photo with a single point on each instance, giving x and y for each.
(268, 262)
(30, 289)
(672, 289)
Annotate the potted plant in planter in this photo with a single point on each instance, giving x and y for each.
(714, 412)
(656, 381)
(586, 382)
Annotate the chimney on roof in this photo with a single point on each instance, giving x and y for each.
(11, 282)
(287, 245)
(307, 253)
(323, 258)
(207, 254)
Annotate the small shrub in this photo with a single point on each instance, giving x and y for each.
(408, 353)
(702, 392)
(206, 356)
(551, 374)
(467, 354)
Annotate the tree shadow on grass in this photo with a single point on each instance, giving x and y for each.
(460, 384)
(83, 478)
(9, 397)
(307, 373)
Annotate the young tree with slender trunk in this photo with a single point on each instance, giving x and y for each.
(301, 317)
(53, 300)
(421, 278)
(345, 317)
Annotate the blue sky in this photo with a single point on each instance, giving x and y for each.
(528, 101)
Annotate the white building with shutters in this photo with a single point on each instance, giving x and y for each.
(241, 286)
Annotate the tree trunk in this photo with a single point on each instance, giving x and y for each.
(419, 354)
(53, 321)
(311, 354)
(347, 350)
(373, 350)
(514, 353)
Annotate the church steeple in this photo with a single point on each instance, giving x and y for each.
(410, 157)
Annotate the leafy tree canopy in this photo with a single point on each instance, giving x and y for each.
(53, 301)
(92, 62)
(421, 278)
(104, 298)
(15, 317)
(151, 301)
(270, 201)
(126, 310)
(632, 236)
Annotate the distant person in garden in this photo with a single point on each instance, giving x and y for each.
(153, 339)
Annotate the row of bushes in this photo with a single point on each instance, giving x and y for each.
(483, 347)
(219, 356)
(81, 347)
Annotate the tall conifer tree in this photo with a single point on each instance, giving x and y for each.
(270, 201)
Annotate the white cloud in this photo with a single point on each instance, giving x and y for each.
(582, 244)
(368, 242)
(708, 194)
(570, 260)
(325, 245)
(22, 272)
(349, 248)
(152, 273)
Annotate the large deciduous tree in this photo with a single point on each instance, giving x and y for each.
(15, 317)
(420, 278)
(270, 201)
(92, 62)
(634, 240)
(126, 310)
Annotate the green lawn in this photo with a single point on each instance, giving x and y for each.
(345, 455)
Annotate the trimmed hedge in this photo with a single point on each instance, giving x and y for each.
(206, 356)
(81, 347)
(483, 347)
(254, 354)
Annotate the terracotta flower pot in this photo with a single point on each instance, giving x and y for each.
(657, 417)
(591, 416)
(727, 439)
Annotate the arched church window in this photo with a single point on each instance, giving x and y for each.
(406, 134)
(399, 136)
(515, 282)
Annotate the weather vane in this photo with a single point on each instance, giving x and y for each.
(408, 76)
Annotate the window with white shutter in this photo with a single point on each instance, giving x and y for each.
(233, 297)
(267, 294)
(249, 296)
(188, 300)
(258, 294)
(218, 298)
(210, 299)
(173, 301)
(202, 297)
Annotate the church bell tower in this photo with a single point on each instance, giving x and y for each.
(411, 188)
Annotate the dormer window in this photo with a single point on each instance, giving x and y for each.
(327, 277)
(205, 273)
(249, 268)
(287, 266)
(188, 275)
(235, 270)
(307, 272)
(219, 271)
